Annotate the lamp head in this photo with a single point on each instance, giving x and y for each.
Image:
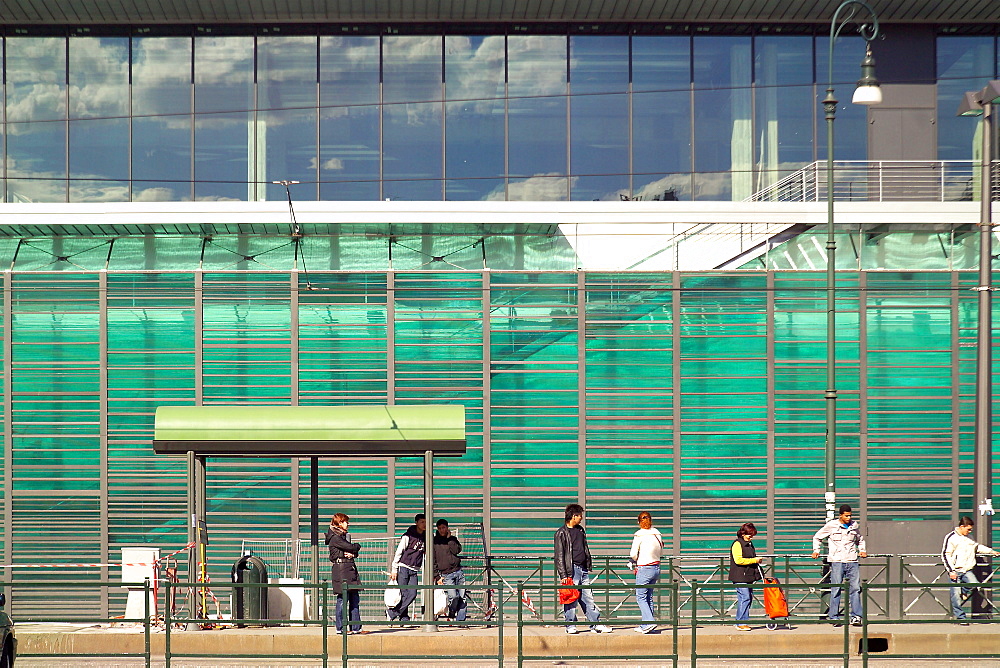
(970, 105)
(868, 90)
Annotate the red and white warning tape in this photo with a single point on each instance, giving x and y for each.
(98, 565)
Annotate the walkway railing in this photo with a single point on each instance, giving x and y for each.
(707, 604)
(880, 181)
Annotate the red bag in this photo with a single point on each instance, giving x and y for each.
(775, 604)
(567, 596)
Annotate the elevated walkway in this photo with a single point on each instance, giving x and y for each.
(930, 640)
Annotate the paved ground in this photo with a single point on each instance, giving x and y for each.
(548, 642)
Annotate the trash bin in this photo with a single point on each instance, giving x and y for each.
(250, 602)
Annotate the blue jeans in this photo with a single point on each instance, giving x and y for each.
(840, 571)
(457, 606)
(404, 576)
(958, 592)
(353, 609)
(744, 597)
(645, 575)
(586, 600)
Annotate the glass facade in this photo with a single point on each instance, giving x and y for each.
(693, 395)
(220, 115)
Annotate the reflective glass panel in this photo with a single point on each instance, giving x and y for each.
(412, 150)
(286, 72)
(161, 158)
(349, 118)
(661, 116)
(223, 73)
(36, 152)
(474, 85)
(221, 163)
(783, 76)
(98, 160)
(412, 68)
(161, 75)
(349, 153)
(963, 64)
(98, 77)
(288, 142)
(722, 128)
(36, 78)
(537, 112)
(850, 135)
(348, 70)
(412, 130)
(599, 122)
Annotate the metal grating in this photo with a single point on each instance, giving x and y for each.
(70, 12)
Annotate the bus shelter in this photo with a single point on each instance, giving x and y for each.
(199, 432)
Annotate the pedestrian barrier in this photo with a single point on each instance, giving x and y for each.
(61, 587)
(320, 590)
(496, 621)
(707, 592)
(867, 622)
(670, 589)
(686, 611)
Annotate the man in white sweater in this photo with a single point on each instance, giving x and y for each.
(959, 556)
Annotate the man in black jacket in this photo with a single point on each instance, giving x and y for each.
(405, 569)
(448, 565)
(572, 555)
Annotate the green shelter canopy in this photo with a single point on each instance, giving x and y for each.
(311, 431)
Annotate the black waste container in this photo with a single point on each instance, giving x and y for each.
(250, 602)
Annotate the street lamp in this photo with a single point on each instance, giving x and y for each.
(868, 92)
(981, 103)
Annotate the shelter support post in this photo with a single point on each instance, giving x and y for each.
(201, 532)
(429, 539)
(314, 532)
(192, 515)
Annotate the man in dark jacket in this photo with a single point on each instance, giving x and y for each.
(573, 562)
(448, 567)
(406, 565)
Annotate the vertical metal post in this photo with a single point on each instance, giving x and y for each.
(201, 524)
(869, 33)
(192, 518)
(830, 489)
(982, 479)
(314, 531)
(428, 578)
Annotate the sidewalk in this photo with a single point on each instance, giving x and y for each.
(544, 641)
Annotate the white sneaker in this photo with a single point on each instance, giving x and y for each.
(855, 621)
(572, 630)
(644, 629)
(601, 628)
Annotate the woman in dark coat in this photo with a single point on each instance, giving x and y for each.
(344, 571)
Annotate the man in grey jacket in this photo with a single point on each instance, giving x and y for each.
(572, 556)
(846, 544)
(959, 556)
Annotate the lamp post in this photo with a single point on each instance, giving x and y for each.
(867, 93)
(981, 103)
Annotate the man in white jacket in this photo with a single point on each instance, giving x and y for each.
(959, 556)
(846, 544)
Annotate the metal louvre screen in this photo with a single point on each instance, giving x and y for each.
(697, 396)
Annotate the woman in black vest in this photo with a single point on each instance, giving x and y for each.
(344, 571)
(744, 569)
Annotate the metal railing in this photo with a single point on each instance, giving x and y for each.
(695, 604)
(61, 586)
(169, 621)
(671, 590)
(881, 181)
(536, 573)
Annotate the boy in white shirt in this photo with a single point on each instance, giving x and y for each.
(959, 556)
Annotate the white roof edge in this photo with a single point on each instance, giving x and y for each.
(543, 213)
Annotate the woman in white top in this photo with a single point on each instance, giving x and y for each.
(647, 545)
